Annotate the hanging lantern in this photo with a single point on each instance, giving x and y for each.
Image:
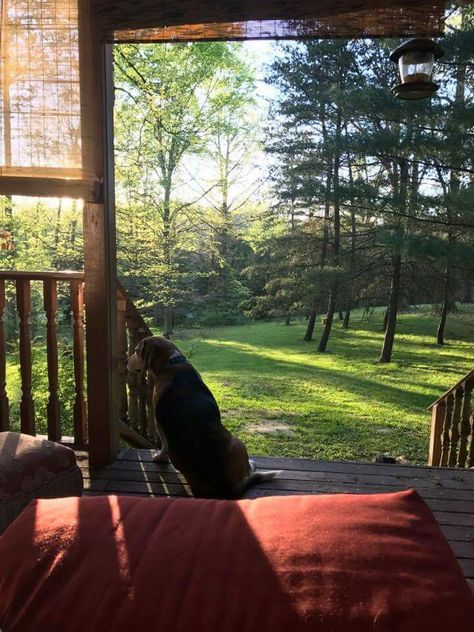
(6, 240)
(416, 59)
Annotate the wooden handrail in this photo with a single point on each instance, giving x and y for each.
(468, 376)
(62, 275)
(452, 426)
(133, 311)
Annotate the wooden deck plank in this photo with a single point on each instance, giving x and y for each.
(312, 465)
(133, 470)
(449, 492)
(467, 567)
(463, 516)
(453, 502)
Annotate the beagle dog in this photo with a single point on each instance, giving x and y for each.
(188, 421)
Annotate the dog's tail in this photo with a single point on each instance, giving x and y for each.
(257, 477)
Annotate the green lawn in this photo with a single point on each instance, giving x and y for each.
(283, 398)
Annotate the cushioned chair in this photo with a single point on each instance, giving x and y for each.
(34, 468)
(292, 564)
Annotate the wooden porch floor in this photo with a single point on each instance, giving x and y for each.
(449, 492)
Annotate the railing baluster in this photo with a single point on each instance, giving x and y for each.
(437, 420)
(465, 427)
(140, 387)
(470, 456)
(4, 420)
(132, 378)
(122, 359)
(454, 430)
(152, 434)
(142, 404)
(80, 415)
(452, 434)
(445, 436)
(50, 299)
(23, 301)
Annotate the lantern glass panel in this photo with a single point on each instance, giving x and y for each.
(416, 66)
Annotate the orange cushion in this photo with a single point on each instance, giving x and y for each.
(300, 563)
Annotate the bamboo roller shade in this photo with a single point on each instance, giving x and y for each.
(43, 126)
(172, 20)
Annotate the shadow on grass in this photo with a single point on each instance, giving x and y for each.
(251, 363)
(346, 345)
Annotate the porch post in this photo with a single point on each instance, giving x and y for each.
(101, 286)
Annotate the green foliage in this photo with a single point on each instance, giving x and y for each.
(362, 180)
(39, 384)
(177, 104)
(47, 234)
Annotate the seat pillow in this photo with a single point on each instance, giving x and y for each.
(321, 563)
(34, 468)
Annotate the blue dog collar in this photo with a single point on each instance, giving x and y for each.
(177, 359)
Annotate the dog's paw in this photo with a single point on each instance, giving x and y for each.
(160, 457)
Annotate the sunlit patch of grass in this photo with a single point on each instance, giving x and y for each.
(338, 405)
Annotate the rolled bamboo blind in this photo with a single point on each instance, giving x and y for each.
(174, 20)
(44, 131)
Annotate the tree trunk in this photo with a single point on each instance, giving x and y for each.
(459, 100)
(445, 308)
(328, 322)
(467, 296)
(156, 314)
(347, 317)
(288, 317)
(12, 251)
(327, 215)
(392, 309)
(385, 321)
(168, 322)
(57, 229)
(386, 355)
(337, 235)
(167, 247)
(310, 326)
(341, 315)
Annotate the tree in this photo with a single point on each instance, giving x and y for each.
(169, 102)
(315, 79)
(232, 155)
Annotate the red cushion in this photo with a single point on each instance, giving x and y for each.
(300, 563)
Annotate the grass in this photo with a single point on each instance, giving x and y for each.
(285, 399)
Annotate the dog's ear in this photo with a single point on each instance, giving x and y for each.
(148, 353)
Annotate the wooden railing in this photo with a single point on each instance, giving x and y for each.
(22, 284)
(452, 426)
(135, 391)
(134, 404)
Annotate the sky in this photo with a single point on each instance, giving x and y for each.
(260, 53)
